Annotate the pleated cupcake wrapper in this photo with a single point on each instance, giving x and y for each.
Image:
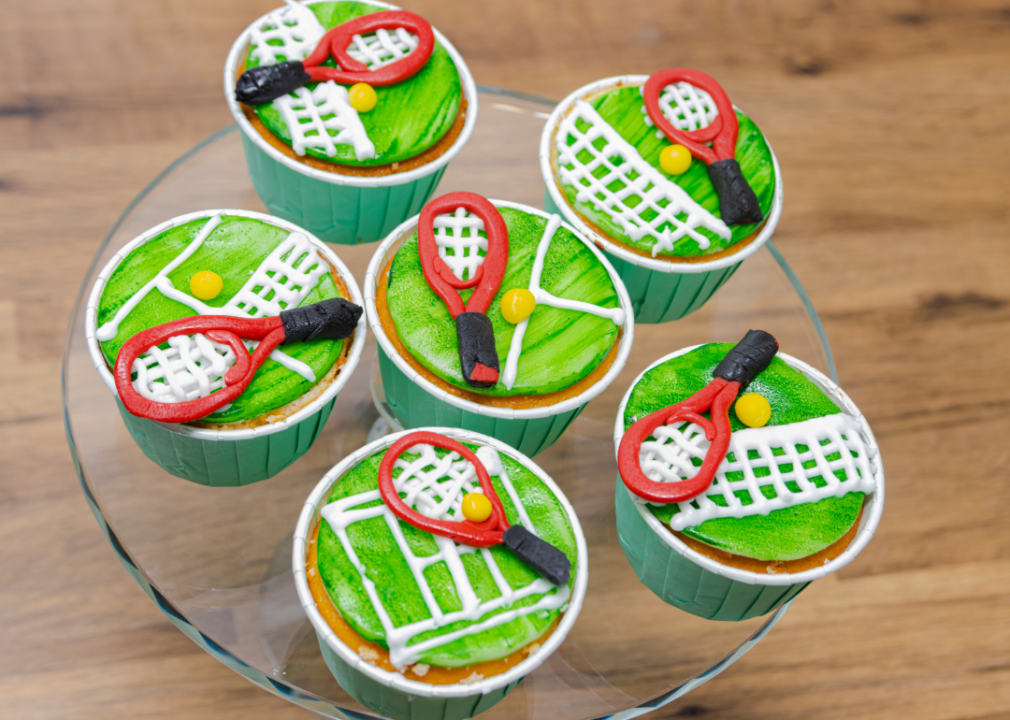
(416, 401)
(660, 291)
(337, 208)
(226, 458)
(389, 693)
(688, 580)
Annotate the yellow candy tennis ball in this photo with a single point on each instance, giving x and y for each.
(517, 305)
(362, 97)
(753, 410)
(476, 507)
(206, 285)
(675, 159)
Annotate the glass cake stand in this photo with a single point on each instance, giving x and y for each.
(217, 560)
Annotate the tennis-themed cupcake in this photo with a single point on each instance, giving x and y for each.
(495, 317)
(349, 113)
(668, 177)
(225, 336)
(743, 476)
(438, 568)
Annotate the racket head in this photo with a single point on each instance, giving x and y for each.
(484, 534)
(722, 132)
(716, 398)
(337, 41)
(439, 276)
(226, 330)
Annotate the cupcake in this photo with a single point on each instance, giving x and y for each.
(438, 568)
(349, 112)
(668, 177)
(495, 317)
(174, 316)
(730, 515)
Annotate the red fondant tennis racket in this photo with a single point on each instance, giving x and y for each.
(542, 556)
(738, 204)
(741, 365)
(333, 319)
(260, 85)
(477, 353)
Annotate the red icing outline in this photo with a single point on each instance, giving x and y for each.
(488, 276)
(722, 132)
(219, 328)
(483, 534)
(336, 41)
(717, 396)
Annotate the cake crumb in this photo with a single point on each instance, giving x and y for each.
(530, 649)
(312, 572)
(420, 669)
(368, 654)
(475, 677)
(770, 570)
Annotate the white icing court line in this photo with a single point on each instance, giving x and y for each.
(763, 460)
(435, 487)
(640, 188)
(194, 366)
(459, 240)
(543, 297)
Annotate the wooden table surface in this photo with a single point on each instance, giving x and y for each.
(890, 121)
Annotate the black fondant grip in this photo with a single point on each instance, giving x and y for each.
(325, 320)
(539, 555)
(738, 204)
(749, 357)
(475, 334)
(260, 85)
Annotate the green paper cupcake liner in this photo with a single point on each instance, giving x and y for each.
(415, 401)
(660, 291)
(226, 458)
(340, 208)
(688, 580)
(389, 693)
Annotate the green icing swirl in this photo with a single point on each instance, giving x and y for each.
(234, 249)
(376, 548)
(622, 108)
(786, 534)
(560, 346)
(409, 117)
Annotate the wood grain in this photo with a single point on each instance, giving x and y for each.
(889, 119)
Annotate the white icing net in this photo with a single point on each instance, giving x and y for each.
(283, 280)
(289, 33)
(687, 107)
(766, 468)
(382, 47)
(460, 242)
(322, 119)
(608, 172)
(435, 487)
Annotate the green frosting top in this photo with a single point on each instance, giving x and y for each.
(409, 117)
(560, 346)
(234, 249)
(624, 110)
(789, 533)
(468, 587)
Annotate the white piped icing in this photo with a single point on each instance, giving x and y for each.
(459, 233)
(687, 107)
(435, 487)
(295, 25)
(677, 213)
(311, 114)
(545, 298)
(666, 457)
(192, 366)
(382, 47)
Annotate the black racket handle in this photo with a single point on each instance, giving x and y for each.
(260, 85)
(475, 334)
(738, 204)
(333, 319)
(749, 357)
(539, 555)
